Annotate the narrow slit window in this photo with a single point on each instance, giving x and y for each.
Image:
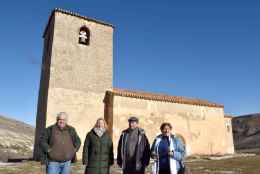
(228, 126)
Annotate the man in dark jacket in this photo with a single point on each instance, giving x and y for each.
(133, 152)
(98, 153)
(59, 145)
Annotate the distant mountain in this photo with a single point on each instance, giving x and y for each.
(16, 139)
(246, 131)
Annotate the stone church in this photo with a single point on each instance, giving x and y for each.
(77, 78)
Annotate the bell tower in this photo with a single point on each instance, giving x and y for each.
(77, 69)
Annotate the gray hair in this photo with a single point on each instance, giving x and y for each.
(62, 114)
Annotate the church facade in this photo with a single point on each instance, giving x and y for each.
(77, 77)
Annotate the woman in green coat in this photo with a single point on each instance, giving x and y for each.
(98, 153)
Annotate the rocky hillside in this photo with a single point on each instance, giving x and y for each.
(16, 139)
(246, 131)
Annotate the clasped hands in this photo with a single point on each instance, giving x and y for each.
(156, 156)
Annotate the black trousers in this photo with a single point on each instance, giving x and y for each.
(132, 170)
(164, 171)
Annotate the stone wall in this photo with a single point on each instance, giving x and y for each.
(75, 78)
(44, 87)
(229, 134)
(203, 128)
(79, 74)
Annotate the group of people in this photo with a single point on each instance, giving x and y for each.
(60, 142)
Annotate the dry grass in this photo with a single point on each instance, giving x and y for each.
(239, 165)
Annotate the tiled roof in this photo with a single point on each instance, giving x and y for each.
(228, 116)
(163, 98)
(76, 15)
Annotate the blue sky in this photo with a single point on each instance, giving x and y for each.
(200, 49)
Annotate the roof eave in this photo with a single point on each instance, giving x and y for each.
(76, 15)
(163, 98)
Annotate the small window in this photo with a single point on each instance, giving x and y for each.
(84, 35)
(228, 126)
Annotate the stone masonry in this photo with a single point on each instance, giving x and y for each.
(74, 76)
(77, 79)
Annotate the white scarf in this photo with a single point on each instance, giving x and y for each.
(99, 131)
(173, 165)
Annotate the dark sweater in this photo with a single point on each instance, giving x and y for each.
(131, 144)
(163, 153)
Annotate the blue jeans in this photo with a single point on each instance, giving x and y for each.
(58, 167)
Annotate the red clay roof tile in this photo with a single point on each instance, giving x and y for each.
(162, 97)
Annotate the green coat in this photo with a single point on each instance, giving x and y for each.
(46, 140)
(98, 153)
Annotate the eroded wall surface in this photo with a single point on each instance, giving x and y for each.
(203, 128)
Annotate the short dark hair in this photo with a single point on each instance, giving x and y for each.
(163, 125)
(133, 119)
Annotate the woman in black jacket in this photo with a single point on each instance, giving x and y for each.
(98, 149)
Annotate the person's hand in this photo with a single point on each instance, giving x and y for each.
(154, 155)
(171, 153)
(49, 150)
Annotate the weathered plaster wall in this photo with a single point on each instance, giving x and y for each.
(203, 128)
(229, 135)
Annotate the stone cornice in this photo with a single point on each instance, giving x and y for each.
(59, 10)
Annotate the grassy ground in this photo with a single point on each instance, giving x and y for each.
(239, 165)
